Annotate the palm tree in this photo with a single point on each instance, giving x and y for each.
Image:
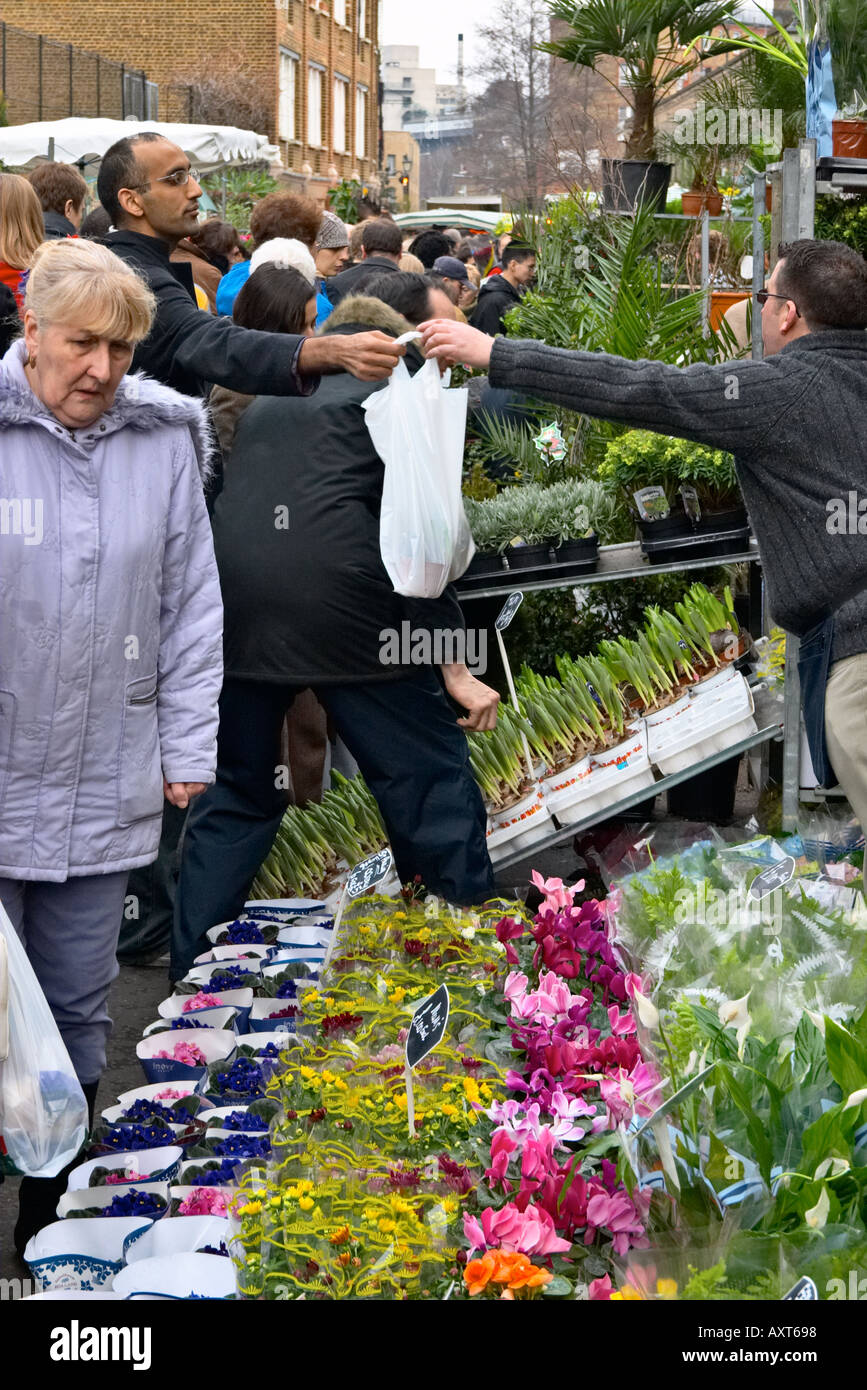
(655, 40)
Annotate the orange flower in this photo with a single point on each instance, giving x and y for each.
(479, 1273)
(340, 1237)
(343, 1258)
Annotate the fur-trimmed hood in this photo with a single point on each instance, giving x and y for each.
(140, 403)
(363, 311)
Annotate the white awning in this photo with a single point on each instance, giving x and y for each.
(84, 141)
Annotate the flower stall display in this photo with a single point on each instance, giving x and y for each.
(533, 527)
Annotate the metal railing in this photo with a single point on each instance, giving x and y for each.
(44, 80)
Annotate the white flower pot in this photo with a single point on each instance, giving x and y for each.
(616, 773)
(214, 1045)
(178, 1276)
(247, 951)
(240, 1000)
(718, 718)
(519, 826)
(159, 1165)
(82, 1255)
(179, 1238)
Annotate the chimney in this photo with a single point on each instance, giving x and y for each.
(460, 63)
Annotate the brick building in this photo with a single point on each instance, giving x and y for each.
(315, 63)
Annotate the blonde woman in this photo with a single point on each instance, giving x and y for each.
(111, 622)
(22, 229)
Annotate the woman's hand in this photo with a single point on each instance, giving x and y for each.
(455, 343)
(479, 700)
(180, 794)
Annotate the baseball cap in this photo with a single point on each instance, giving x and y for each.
(451, 268)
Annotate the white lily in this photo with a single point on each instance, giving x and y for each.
(648, 1013)
(818, 1215)
(818, 1019)
(733, 1013)
(856, 1098)
(832, 1168)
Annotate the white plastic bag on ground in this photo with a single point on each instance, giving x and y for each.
(43, 1112)
(418, 428)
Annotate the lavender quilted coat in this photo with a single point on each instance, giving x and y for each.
(110, 626)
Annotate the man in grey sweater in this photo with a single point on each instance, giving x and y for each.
(796, 424)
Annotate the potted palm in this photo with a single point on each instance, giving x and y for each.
(650, 45)
(847, 35)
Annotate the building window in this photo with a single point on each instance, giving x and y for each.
(340, 11)
(288, 111)
(361, 122)
(341, 87)
(315, 104)
(361, 21)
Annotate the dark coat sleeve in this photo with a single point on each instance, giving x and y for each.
(217, 350)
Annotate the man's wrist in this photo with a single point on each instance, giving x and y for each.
(318, 354)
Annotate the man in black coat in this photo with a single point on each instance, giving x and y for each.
(381, 247)
(148, 189)
(500, 293)
(308, 604)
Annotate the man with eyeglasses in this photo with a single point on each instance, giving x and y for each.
(796, 424)
(152, 196)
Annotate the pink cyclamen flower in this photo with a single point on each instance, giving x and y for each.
(557, 895)
(126, 1177)
(600, 1289)
(172, 1093)
(531, 1232)
(621, 1024)
(631, 1093)
(508, 929)
(614, 1212)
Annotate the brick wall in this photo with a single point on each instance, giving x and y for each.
(174, 39)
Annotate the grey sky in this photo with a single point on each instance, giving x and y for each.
(434, 30)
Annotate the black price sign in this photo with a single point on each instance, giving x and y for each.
(804, 1289)
(773, 877)
(509, 609)
(368, 873)
(427, 1027)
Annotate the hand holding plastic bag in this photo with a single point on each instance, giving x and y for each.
(43, 1112)
(418, 427)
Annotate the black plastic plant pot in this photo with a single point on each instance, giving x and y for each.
(734, 519)
(697, 546)
(525, 557)
(663, 528)
(628, 182)
(582, 548)
(709, 796)
(483, 566)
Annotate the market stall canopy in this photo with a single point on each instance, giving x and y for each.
(468, 219)
(84, 141)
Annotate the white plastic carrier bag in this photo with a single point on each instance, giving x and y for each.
(418, 426)
(43, 1112)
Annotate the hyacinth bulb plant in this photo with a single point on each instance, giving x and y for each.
(589, 676)
(499, 759)
(564, 723)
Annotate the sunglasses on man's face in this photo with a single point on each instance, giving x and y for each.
(762, 297)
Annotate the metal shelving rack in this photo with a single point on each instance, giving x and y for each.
(794, 184)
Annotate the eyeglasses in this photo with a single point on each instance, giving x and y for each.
(178, 179)
(762, 297)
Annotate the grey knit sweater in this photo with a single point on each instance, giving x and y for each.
(796, 424)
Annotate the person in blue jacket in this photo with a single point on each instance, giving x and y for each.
(278, 215)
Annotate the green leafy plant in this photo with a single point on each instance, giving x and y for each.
(642, 458)
(344, 200)
(498, 758)
(244, 188)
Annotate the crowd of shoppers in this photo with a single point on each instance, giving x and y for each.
(208, 598)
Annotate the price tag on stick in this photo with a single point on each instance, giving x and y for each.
(425, 1033)
(772, 877)
(804, 1289)
(507, 613)
(363, 877)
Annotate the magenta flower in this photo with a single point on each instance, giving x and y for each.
(187, 1053)
(502, 1148)
(600, 1289)
(618, 1214)
(531, 1231)
(204, 1201)
(631, 1093)
(508, 929)
(621, 1024)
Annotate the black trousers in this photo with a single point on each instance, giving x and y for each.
(413, 756)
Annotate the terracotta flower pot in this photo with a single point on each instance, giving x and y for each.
(721, 300)
(694, 201)
(849, 139)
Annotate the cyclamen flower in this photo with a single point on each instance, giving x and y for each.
(172, 1093)
(631, 1093)
(187, 1053)
(530, 1231)
(619, 1214)
(557, 895)
(201, 1001)
(508, 929)
(551, 1000)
